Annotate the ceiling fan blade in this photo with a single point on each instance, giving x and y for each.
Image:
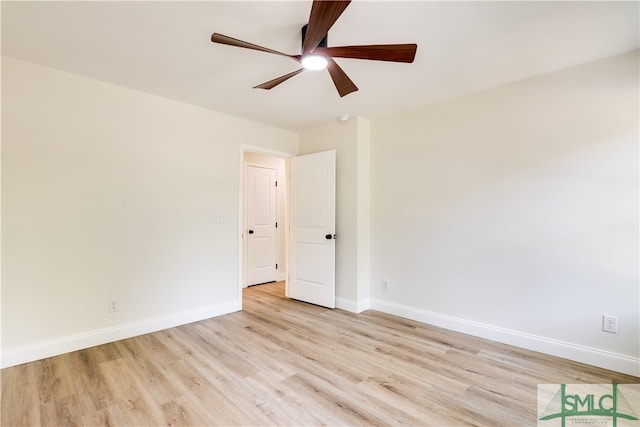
(376, 52)
(343, 83)
(323, 15)
(275, 82)
(219, 38)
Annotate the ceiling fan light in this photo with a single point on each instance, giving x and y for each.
(314, 62)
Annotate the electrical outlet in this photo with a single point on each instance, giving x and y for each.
(610, 324)
(113, 305)
(385, 285)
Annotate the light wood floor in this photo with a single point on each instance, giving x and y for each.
(282, 362)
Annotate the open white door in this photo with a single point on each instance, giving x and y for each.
(312, 229)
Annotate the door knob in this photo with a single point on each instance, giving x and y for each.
(250, 231)
(330, 236)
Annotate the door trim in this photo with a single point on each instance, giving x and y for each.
(254, 149)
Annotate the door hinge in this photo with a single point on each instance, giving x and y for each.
(276, 266)
(276, 225)
(276, 183)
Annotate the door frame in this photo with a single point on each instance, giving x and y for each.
(260, 150)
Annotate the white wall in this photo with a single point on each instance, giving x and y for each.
(109, 192)
(351, 142)
(514, 212)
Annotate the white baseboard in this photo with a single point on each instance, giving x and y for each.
(29, 353)
(351, 305)
(591, 356)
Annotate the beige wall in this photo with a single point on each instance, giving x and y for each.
(109, 192)
(516, 210)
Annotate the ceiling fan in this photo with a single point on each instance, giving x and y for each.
(315, 53)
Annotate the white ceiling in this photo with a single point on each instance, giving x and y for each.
(164, 48)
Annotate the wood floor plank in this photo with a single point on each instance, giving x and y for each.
(133, 396)
(60, 412)
(20, 396)
(144, 361)
(180, 412)
(89, 381)
(55, 379)
(283, 362)
(207, 401)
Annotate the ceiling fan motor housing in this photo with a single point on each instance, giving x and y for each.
(323, 42)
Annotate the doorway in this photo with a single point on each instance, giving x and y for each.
(311, 191)
(264, 218)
